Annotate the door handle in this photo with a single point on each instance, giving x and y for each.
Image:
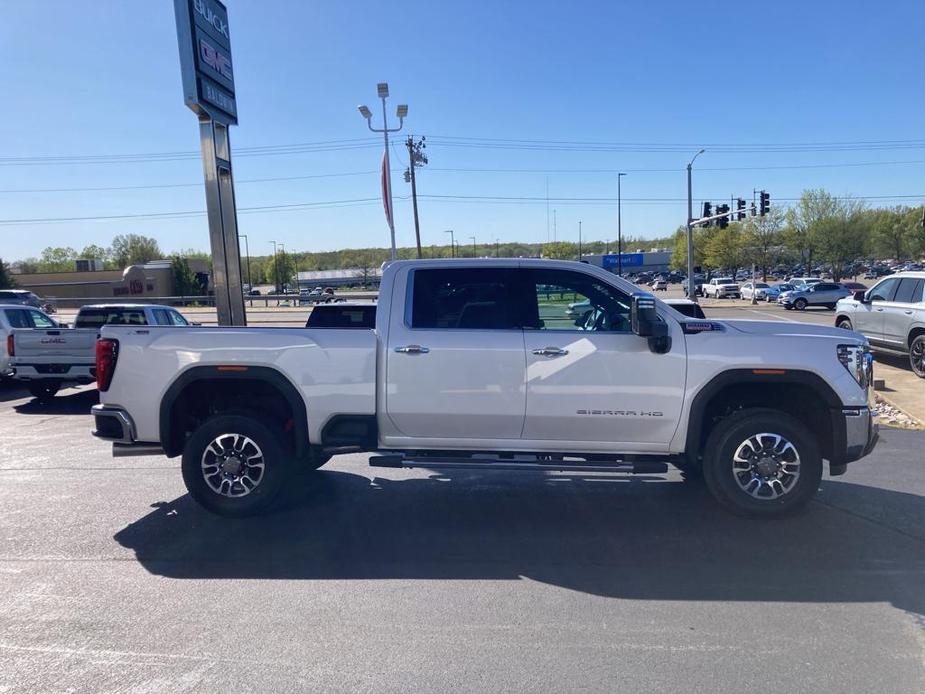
(908, 313)
(550, 352)
(412, 349)
(880, 310)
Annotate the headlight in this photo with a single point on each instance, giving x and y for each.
(859, 362)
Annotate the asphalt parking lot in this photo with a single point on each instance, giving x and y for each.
(112, 580)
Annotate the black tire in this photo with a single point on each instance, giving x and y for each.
(232, 501)
(917, 356)
(785, 492)
(44, 391)
(844, 324)
(800, 304)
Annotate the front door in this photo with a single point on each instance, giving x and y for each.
(455, 360)
(868, 319)
(897, 314)
(589, 378)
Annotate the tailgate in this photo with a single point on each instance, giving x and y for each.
(53, 344)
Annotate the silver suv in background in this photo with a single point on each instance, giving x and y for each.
(825, 294)
(891, 314)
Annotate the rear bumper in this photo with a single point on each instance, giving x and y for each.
(113, 424)
(63, 371)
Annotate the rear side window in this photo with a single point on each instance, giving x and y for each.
(909, 290)
(160, 316)
(17, 318)
(342, 317)
(98, 317)
(825, 287)
(464, 298)
(40, 320)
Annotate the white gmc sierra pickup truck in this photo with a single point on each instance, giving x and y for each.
(476, 364)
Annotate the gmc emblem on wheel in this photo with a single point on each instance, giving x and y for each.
(622, 413)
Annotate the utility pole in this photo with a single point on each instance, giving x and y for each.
(475, 253)
(554, 227)
(579, 240)
(275, 269)
(452, 243)
(497, 248)
(402, 111)
(619, 226)
(416, 158)
(247, 254)
(691, 292)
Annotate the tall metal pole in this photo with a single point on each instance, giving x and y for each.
(275, 269)
(619, 225)
(497, 248)
(691, 292)
(247, 254)
(579, 240)
(452, 243)
(475, 252)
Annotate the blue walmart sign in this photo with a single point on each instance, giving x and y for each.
(629, 260)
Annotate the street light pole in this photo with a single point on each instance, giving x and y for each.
(452, 243)
(247, 255)
(275, 268)
(475, 252)
(401, 112)
(691, 292)
(497, 248)
(619, 226)
(579, 240)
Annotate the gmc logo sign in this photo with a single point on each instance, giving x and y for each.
(215, 59)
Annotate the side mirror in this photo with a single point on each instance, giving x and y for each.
(859, 296)
(645, 323)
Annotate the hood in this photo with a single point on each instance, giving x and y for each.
(783, 329)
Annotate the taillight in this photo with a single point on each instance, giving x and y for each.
(107, 351)
(9, 345)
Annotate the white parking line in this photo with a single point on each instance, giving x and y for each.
(765, 314)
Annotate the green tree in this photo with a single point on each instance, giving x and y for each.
(6, 277)
(841, 236)
(762, 240)
(57, 259)
(184, 279)
(133, 249)
(560, 250)
(814, 205)
(725, 249)
(93, 251)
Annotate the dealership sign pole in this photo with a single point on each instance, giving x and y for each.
(208, 89)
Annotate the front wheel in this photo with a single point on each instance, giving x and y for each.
(917, 356)
(800, 304)
(44, 391)
(233, 465)
(762, 463)
(844, 324)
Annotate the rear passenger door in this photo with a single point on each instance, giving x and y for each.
(454, 359)
(898, 313)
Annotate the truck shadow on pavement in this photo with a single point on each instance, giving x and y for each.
(68, 402)
(645, 539)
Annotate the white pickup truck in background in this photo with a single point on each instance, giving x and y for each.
(475, 364)
(46, 358)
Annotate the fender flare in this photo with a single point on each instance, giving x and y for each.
(265, 374)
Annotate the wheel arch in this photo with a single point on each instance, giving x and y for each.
(802, 393)
(238, 378)
(914, 333)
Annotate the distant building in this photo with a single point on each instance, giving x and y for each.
(643, 261)
(150, 280)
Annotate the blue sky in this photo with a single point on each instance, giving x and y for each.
(102, 78)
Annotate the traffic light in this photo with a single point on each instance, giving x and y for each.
(740, 209)
(765, 203)
(723, 222)
(707, 212)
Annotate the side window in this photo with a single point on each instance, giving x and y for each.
(473, 299)
(177, 319)
(885, 290)
(17, 318)
(567, 300)
(40, 320)
(909, 290)
(160, 316)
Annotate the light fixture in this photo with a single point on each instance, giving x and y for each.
(383, 89)
(365, 112)
(402, 110)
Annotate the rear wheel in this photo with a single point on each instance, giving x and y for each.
(233, 465)
(917, 356)
(762, 463)
(44, 391)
